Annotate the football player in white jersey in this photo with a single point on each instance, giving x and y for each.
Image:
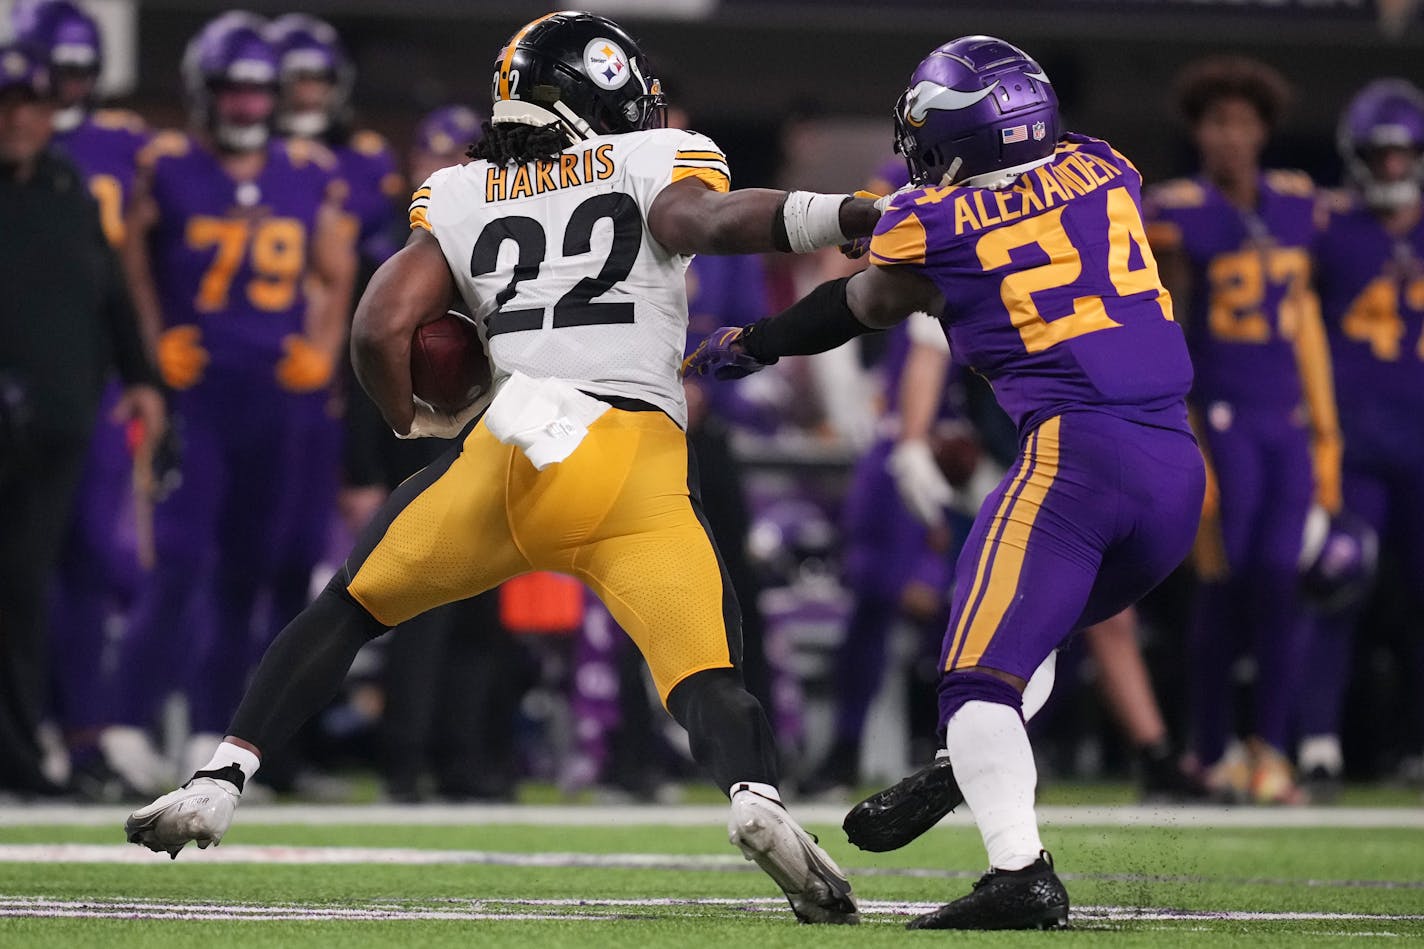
(566, 239)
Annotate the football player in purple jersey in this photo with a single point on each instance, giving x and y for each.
(241, 263)
(1370, 275)
(1029, 243)
(99, 569)
(1235, 247)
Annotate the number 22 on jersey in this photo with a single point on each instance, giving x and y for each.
(1065, 267)
(275, 247)
(577, 306)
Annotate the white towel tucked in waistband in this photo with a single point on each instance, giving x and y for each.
(544, 418)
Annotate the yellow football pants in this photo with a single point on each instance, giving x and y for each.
(618, 514)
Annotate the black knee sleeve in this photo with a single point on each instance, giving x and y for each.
(729, 731)
(304, 667)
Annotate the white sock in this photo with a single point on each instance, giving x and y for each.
(227, 754)
(765, 790)
(993, 765)
(1040, 686)
(1321, 751)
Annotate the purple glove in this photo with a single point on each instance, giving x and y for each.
(720, 356)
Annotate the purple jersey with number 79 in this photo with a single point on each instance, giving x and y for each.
(1051, 291)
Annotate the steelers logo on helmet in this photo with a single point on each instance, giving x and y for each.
(606, 64)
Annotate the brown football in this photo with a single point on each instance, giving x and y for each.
(448, 365)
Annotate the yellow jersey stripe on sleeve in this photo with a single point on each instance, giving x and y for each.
(705, 155)
(418, 219)
(902, 244)
(713, 178)
(420, 193)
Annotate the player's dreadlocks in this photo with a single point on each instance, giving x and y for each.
(1220, 77)
(515, 143)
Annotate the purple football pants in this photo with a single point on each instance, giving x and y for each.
(1388, 494)
(1094, 514)
(306, 511)
(887, 549)
(98, 574)
(194, 623)
(1263, 466)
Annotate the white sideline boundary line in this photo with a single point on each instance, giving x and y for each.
(540, 909)
(642, 815)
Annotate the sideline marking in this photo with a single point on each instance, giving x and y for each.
(535, 909)
(408, 856)
(679, 815)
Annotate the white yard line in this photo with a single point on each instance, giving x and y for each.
(638, 815)
(539, 909)
(725, 863)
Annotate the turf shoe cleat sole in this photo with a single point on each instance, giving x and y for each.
(890, 819)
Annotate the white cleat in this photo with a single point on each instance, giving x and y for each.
(816, 888)
(200, 810)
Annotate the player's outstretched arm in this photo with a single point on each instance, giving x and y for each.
(830, 315)
(410, 288)
(688, 217)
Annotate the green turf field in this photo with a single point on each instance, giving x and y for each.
(597, 881)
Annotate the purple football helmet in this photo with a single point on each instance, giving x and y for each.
(60, 31)
(1338, 558)
(975, 106)
(1388, 113)
(307, 46)
(229, 50)
(447, 131)
(22, 68)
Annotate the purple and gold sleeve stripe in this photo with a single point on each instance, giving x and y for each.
(902, 243)
(706, 165)
(420, 209)
(1001, 561)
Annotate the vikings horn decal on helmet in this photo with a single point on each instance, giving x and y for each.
(1388, 113)
(580, 71)
(307, 46)
(1338, 558)
(976, 108)
(229, 50)
(57, 29)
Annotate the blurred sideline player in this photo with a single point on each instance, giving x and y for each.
(99, 570)
(1030, 243)
(229, 230)
(1235, 248)
(317, 78)
(896, 567)
(567, 241)
(1370, 275)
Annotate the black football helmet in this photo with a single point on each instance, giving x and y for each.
(579, 71)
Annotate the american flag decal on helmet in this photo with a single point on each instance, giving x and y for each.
(1018, 133)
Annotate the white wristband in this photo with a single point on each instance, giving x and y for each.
(813, 220)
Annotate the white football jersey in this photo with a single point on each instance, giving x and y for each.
(556, 263)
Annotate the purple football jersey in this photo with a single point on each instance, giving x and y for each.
(1371, 287)
(105, 148)
(1247, 269)
(1051, 291)
(377, 194)
(231, 256)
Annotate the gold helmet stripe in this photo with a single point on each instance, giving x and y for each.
(509, 54)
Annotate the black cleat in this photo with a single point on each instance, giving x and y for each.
(1031, 898)
(889, 819)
